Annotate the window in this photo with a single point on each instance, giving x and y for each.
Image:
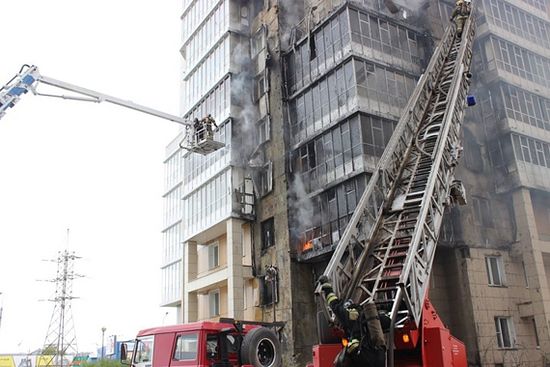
(186, 347)
(505, 332)
(213, 256)
(531, 150)
(495, 270)
(264, 130)
(257, 43)
(482, 211)
(268, 235)
(521, 62)
(261, 86)
(265, 179)
(214, 303)
(144, 350)
(212, 346)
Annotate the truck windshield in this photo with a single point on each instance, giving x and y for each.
(143, 352)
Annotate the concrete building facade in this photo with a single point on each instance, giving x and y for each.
(496, 247)
(306, 94)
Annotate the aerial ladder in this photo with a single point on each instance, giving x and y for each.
(386, 252)
(199, 137)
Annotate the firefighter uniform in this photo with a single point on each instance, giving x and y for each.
(460, 13)
(209, 124)
(362, 348)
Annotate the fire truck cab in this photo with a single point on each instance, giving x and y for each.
(227, 343)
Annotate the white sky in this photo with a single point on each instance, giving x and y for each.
(96, 169)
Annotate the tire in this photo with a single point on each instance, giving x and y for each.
(326, 333)
(261, 348)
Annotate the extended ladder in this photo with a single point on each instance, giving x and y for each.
(386, 251)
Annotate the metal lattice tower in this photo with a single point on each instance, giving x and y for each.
(61, 337)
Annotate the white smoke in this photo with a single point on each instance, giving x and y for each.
(242, 84)
(304, 215)
(292, 13)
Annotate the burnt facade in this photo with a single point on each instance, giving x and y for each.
(327, 81)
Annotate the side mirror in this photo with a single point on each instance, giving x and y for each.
(124, 354)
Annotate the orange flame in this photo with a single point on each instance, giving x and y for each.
(307, 246)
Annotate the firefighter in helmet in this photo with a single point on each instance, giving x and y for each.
(199, 130)
(461, 12)
(364, 345)
(209, 123)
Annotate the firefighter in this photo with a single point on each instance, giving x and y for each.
(364, 344)
(208, 121)
(462, 10)
(199, 129)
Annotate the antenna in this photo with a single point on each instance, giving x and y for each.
(61, 337)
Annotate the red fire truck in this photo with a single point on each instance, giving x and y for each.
(227, 343)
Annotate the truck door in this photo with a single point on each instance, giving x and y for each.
(143, 352)
(186, 350)
(221, 348)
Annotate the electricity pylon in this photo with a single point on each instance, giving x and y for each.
(61, 337)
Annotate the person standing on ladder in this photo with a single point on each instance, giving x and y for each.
(364, 345)
(461, 12)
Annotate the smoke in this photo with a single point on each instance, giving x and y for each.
(242, 84)
(304, 215)
(292, 13)
(413, 5)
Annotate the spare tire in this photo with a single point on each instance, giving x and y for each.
(261, 348)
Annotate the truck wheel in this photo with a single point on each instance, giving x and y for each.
(261, 348)
(325, 333)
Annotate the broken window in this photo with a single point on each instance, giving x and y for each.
(473, 158)
(268, 233)
(482, 212)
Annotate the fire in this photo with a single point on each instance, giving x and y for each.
(307, 246)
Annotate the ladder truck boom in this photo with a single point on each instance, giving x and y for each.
(198, 138)
(386, 252)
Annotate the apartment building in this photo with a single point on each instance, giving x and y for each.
(496, 248)
(207, 239)
(172, 250)
(306, 94)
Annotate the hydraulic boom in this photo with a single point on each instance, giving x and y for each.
(198, 139)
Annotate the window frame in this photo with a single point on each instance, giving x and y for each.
(214, 294)
(268, 225)
(499, 271)
(499, 332)
(216, 263)
(186, 361)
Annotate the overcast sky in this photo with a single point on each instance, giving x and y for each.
(96, 169)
